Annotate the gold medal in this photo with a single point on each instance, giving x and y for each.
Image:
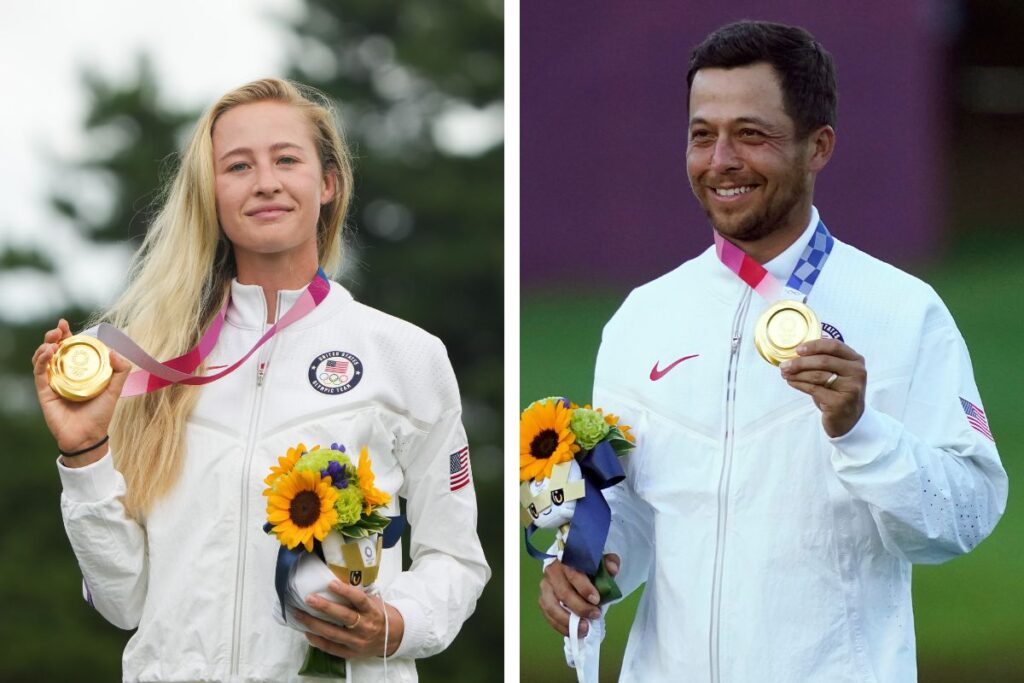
(783, 327)
(80, 369)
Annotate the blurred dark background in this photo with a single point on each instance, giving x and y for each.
(926, 175)
(425, 245)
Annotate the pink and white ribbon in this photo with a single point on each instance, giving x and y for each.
(153, 375)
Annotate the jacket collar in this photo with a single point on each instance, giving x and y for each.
(248, 307)
(782, 265)
(728, 287)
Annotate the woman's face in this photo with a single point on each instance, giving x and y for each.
(269, 183)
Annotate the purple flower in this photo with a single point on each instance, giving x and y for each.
(338, 447)
(336, 471)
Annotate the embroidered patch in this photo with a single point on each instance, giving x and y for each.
(831, 332)
(335, 372)
(458, 469)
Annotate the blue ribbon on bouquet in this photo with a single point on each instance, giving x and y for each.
(286, 558)
(588, 528)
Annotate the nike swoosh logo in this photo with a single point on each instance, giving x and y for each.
(657, 374)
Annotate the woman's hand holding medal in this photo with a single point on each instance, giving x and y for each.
(835, 377)
(76, 425)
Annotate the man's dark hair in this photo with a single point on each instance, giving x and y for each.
(805, 69)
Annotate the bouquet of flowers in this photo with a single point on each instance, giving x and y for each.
(325, 512)
(568, 455)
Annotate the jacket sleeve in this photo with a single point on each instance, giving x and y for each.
(448, 571)
(933, 482)
(110, 545)
(630, 535)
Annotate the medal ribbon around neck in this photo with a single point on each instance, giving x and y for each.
(153, 375)
(800, 282)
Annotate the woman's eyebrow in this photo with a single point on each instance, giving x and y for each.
(277, 146)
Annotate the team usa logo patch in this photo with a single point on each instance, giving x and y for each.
(831, 332)
(335, 372)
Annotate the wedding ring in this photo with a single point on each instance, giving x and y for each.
(831, 380)
(359, 616)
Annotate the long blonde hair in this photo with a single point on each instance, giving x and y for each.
(182, 272)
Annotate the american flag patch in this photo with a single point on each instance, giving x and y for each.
(337, 365)
(976, 418)
(458, 469)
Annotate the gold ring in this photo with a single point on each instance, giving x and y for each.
(356, 623)
(831, 380)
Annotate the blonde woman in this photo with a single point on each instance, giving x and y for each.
(162, 492)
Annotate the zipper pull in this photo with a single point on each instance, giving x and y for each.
(260, 372)
(735, 343)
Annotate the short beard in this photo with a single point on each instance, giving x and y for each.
(759, 225)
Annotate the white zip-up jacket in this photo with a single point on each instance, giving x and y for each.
(197, 577)
(771, 552)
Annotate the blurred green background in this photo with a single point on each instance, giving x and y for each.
(425, 245)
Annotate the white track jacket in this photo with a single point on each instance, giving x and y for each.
(197, 577)
(771, 552)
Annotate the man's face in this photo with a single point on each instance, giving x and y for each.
(747, 168)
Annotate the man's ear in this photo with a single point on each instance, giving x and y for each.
(821, 143)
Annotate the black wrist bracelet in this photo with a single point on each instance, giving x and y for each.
(86, 449)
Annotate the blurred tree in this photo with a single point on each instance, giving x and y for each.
(129, 134)
(419, 86)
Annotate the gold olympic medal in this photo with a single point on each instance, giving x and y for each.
(80, 369)
(783, 327)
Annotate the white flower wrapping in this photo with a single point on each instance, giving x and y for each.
(356, 562)
(550, 504)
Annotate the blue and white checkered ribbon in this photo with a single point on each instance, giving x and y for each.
(812, 260)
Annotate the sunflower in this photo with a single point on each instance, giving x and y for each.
(372, 496)
(301, 508)
(285, 464)
(545, 439)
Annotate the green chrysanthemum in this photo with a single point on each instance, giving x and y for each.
(319, 459)
(589, 427)
(349, 505)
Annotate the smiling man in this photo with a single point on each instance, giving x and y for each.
(824, 432)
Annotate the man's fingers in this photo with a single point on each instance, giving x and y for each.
(574, 590)
(828, 347)
(818, 377)
(553, 612)
(807, 387)
(581, 582)
(820, 363)
(611, 563)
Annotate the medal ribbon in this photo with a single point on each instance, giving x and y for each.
(153, 375)
(800, 282)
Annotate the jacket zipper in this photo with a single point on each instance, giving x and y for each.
(263, 358)
(723, 482)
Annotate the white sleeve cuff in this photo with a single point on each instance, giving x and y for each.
(417, 627)
(868, 440)
(91, 483)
